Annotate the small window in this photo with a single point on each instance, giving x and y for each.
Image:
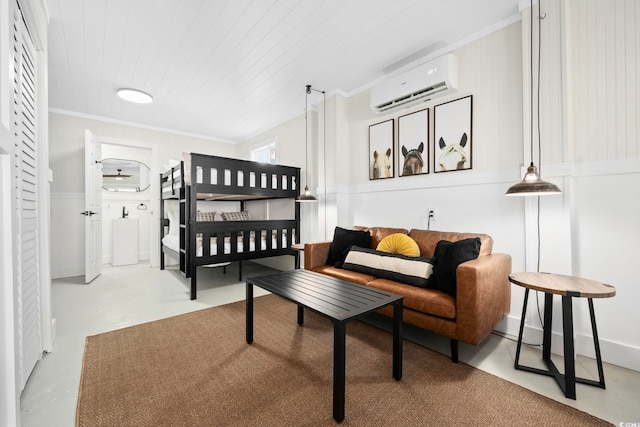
(266, 153)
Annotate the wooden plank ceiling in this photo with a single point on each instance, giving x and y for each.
(229, 69)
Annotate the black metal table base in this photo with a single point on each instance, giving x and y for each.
(339, 342)
(567, 380)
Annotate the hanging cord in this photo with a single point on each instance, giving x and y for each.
(324, 150)
(531, 84)
(324, 158)
(540, 18)
(306, 136)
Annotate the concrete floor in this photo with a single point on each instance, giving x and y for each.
(130, 295)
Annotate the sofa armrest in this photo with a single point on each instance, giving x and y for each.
(483, 296)
(316, 254)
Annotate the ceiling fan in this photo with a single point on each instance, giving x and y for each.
(119, 175)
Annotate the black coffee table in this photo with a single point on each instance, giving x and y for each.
(337, 300)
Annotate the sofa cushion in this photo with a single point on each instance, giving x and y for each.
(449, 255)
(411, 270)
(429, 301)
(399, 243)
(343, 239)
(349, 276)
(428, 239)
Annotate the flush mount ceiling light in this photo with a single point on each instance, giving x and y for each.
(135, 95)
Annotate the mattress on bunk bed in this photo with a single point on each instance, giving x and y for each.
(172, 241)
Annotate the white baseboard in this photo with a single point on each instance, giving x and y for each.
(612, 352)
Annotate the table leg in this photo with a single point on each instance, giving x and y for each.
(524, 312)
(546, 327)
(596, 344)
(339, 343)
(300, 315)
(249, 315)
(569, 356)
(397, 340)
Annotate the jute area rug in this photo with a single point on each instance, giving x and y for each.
(197, 370)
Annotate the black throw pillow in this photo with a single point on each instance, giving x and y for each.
(449, 255)
(343, 239)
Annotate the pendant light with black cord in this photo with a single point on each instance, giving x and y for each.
(532, 184)
(306, 196)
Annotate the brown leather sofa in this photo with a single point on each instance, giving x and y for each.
(483, 296)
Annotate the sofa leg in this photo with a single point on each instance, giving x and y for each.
(454, 350)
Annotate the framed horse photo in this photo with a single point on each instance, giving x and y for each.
(381, 150)
(452, 129)
(413, 143)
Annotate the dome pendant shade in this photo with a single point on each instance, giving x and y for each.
(532, 185)
(306, 196)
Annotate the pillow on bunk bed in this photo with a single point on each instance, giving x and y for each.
(174, 223)
(205, 216)
(235, 216)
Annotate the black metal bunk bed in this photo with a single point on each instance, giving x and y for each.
(204, 177)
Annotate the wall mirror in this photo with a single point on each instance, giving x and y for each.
(125, 175)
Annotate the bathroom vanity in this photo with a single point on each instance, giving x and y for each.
(124, 247)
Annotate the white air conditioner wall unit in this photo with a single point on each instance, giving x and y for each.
(427, 81)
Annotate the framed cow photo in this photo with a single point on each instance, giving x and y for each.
(452, 129)
(381, 150)
(413, 143)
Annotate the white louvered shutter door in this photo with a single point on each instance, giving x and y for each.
(25, 178)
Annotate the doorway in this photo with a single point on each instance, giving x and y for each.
(127, 194)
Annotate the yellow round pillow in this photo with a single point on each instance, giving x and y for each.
(399, 243)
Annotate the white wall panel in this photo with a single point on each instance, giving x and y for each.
(488, 70)
(603, 45)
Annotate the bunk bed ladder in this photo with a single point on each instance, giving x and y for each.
(190, 210)
(162, 223)
(183, 233)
